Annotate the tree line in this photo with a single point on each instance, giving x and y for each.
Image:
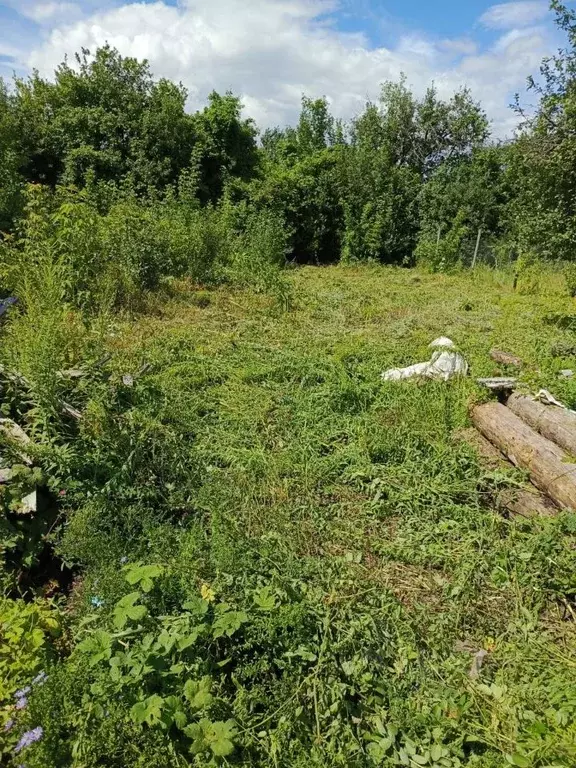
(410, 178)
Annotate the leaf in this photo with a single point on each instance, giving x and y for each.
(172, 713)
(185, 641)
(147, 711)
(98, 645)
(126, 609)
(143, 575)
(436, 752)
(264, 600)
(194, 732)
(228, 623)
(219, 736)
(198, 694)
(519, 760)
(116, 669)
(197, 606)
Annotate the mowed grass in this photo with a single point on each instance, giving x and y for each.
(316, 472)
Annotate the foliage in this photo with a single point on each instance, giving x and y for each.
(569, 271)
(542, 159)
(278, 558)
(395, 147)
(27, 632)
(269, 536)
(445, 250)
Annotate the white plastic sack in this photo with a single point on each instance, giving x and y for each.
(445, 363)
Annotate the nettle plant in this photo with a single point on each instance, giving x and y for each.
(155, 666)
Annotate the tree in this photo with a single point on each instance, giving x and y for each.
(472, 190)
(396, 145)
(226, 145)
(10, 180)
(543, 160)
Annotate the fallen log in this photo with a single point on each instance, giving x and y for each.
(521, 501)
(557, 424)
(547, 463)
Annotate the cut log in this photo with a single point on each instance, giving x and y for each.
(505, 358)
(547, 463)
(523, 501)
(557, 424)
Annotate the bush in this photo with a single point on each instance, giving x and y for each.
(444, 252)
(26, 630)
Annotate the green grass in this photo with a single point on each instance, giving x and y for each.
(292, 466)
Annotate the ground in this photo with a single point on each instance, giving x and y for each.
(365, 492)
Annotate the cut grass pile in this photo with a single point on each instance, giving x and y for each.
(356, 505)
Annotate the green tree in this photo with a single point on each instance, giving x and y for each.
(300, 180)
(396, 145)
(543, 160)
(226, 145)
(464, 195)
(106, 117)
(10, 180)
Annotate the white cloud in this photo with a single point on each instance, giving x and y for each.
(43, 12)
(270, 52)
(515, 14)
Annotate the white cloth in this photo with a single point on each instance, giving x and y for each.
(444, 364)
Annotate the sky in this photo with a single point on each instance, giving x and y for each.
(270, 52)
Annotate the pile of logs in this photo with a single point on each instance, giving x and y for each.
(538, 438)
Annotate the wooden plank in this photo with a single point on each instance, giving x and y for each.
(547, 464)
(498, 384)
(556, 424)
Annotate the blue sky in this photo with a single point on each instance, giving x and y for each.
(272, 51)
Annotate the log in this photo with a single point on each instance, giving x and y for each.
(523, 501)
(547, 463)
(557, 424)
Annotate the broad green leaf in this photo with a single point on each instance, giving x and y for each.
(219, 736)
(147, 711)
(436, 752)
(264, 599)
(126, 609)
(172, 713)
(197, 606)
(98, 645)
(143, 575)
(519, 760)
(228, 623)
(198, 694)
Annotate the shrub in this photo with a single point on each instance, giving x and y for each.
(26, 630)
(444, 252)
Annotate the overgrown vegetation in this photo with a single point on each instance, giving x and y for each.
(224, 539)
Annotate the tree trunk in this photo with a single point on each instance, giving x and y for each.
(557, 424)
(546, 463)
